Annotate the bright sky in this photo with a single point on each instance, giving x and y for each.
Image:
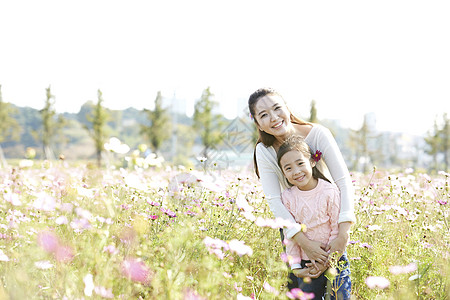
(352, 57)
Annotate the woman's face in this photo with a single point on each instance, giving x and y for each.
(272, 116)
(298, 170)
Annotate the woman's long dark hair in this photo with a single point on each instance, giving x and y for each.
(297, 143)
(263, 137)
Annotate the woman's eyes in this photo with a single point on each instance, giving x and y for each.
(278, 107)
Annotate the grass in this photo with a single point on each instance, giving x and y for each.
(129, 234)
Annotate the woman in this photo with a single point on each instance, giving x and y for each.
(275, 123)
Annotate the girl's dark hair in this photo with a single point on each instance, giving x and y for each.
(297, 143)
(263, 137)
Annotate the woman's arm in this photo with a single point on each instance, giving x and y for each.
(271, 187)
(339, 232)
(340, 242)
(325, 142)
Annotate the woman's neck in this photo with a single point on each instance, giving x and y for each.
(280, 139)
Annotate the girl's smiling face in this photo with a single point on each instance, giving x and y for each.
(273, 117)
(298, 170)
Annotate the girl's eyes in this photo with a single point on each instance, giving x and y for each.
(277, 108)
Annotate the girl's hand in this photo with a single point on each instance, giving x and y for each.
(302, 273)
(316, 272)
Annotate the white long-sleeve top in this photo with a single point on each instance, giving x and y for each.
(273, 181)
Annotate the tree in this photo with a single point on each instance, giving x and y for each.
(438, 141)
(9, 128)
(206, 123)
(445, 137)
(433, 141)
(156, 132)
(51, 126)
(97, 119)
(313, 112)
(361, 142)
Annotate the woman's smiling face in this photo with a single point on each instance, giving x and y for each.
(272, 116)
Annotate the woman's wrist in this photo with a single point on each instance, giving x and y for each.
(344, 230)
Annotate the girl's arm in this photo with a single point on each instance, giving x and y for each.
(272, 191)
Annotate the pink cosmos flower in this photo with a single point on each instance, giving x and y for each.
(365, 245)
(64, 254)
(377, 282)
(111, 249)
(299, 294)
(412, 267)
(189, 294)
(153, 203)
(270, 289)
(79, 225)
(48, 241)
(136, 270)
(284, 257)
(104, 292)
(237, 288)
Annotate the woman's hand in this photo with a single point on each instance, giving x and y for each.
(313, 249)
(340, 242)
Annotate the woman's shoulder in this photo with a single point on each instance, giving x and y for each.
(261, 148)
(316, 131)
(303, 129)
(263, 151)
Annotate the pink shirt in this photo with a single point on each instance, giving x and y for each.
(318, 209)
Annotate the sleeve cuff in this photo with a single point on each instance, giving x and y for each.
(296, 266)
(346, 217)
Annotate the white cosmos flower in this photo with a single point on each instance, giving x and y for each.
(115, 145)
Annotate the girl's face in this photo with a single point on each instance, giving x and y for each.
(298, 170)
(272, 116)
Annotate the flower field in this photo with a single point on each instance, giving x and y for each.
(74, 232)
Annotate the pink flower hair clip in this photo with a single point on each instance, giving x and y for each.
(251, 116)
(317, 156)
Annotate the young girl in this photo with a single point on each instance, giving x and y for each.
(314, 201)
